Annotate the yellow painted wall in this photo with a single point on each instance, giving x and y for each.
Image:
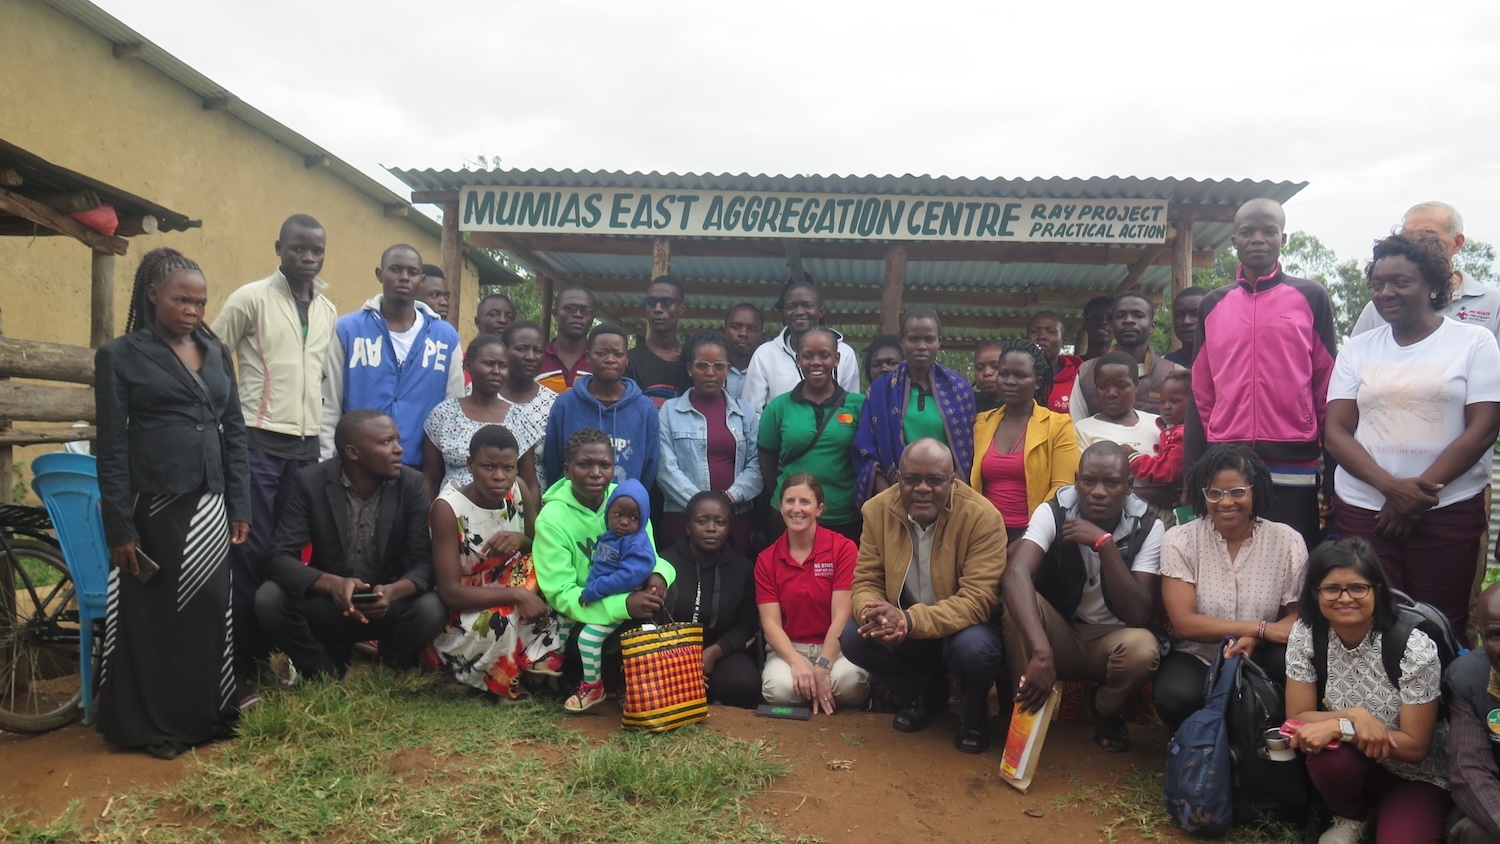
(67, 99)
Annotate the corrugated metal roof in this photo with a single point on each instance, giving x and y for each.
(41, 176)
(1197, 191)
(113, 30)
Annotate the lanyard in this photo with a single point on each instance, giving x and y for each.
(698, 599)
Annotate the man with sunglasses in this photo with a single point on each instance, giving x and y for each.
(1080, 591)
(656, 364)
(566, 356)
(925, 588)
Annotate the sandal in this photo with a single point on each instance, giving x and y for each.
(589, 696)
(1112, 734)
(550, 665)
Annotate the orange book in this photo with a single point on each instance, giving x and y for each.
(1023, 742)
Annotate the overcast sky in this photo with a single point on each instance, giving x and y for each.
(1377, 105)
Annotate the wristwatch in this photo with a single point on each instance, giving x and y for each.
(1346, 729)
(822, 662)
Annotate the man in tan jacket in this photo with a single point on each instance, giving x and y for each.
(925, 589)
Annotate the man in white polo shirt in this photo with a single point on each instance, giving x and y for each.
(1473, 301)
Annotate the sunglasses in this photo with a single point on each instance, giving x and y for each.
(663, 302)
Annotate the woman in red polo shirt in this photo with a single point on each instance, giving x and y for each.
(802, 585)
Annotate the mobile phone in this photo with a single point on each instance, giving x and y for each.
(146, 567)
(365, 596)
(793, 713)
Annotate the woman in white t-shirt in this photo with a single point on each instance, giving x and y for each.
(1413, 410)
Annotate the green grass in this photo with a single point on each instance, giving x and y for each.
(39, 572)
(406, 759)
(1134, 805)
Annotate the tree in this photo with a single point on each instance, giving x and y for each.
(526, 297)
(1306, 256)
(1477, 258)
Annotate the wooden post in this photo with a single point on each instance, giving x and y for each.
(453, 261)
(661, 256)
(890, 293)
(102, 300)
(7, 480)
(1182, 267)
(549, 296)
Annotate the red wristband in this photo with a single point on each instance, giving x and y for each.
(1099, 543)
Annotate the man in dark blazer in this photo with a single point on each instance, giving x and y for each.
(370, 577)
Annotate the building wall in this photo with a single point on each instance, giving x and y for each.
(67, 99)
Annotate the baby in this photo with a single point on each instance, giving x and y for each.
(622, 562)
(1165, 467)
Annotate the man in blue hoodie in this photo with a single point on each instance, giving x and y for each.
(394, 355)
(614, 404)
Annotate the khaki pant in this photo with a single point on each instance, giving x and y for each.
(1116, 657)
(851, 684)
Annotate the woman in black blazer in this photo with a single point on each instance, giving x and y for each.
(174, 488)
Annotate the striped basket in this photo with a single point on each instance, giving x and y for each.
(663, 677)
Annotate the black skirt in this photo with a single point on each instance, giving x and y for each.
(167, 673)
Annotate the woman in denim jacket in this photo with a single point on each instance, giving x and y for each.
(707, 443)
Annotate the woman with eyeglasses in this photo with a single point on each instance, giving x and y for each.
(1229, 572)
(708, 442)
(1413, 410)
(1390, 759)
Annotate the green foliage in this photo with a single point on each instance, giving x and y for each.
(1477, 258)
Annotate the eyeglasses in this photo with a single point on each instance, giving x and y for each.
(718, 366)
(932, 481)
(1214, 495)
(1357, 591)
(663, 302)
(575, 310)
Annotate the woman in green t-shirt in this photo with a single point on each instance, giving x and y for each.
(811, 430)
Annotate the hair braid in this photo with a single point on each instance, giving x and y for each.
(1039, 363)
(155, 266)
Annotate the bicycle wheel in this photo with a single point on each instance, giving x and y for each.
(40, 684)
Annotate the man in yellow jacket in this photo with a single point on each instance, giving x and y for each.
(925, 590)
(279, 329)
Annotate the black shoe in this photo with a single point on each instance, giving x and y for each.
(164, 749)
(913, 717)
(970, 740)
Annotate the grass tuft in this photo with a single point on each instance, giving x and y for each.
(1134, 804)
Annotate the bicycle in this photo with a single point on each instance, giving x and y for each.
(40, 682)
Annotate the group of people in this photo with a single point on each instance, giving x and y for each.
(489, 510)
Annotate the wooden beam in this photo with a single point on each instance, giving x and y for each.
(132, 226)
(42, 436)
(69, 202)
(318, 162)
(47, 361)
(453, 261)
(1132, 277)
(1182, 268)
(1064, 299)
(437, 197)
(793, 249)
(10, 177)
(129, 50)
(102, 299)
(397, 210)
(890, 290)
(549, 299)
(36, 212)
(217, 103)
(661, 256)
(45, 403)
(697, 247)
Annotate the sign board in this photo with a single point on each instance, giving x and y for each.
(684, 213)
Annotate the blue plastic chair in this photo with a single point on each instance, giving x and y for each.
(68, 485)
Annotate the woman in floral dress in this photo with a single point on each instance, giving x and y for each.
(499, 627)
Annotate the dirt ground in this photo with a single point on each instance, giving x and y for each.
(901, 787)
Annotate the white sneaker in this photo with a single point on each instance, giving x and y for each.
(1344, 831)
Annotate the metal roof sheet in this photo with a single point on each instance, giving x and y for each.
(41, 176)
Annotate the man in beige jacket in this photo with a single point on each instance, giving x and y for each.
(926, 586)
(279, 329)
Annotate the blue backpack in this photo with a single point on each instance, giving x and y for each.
(1200, 769)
